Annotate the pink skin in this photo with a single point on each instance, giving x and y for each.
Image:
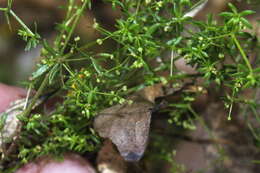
(9, 94)
(72, 163)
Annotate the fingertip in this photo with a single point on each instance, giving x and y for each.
(71, 163)
(9, 94)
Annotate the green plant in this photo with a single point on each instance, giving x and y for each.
(145, 30)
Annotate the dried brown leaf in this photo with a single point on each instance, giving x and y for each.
(127, 126)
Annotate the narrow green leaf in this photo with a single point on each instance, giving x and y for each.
(246, 23)
(232, 7)
(40, 71)
(226, 14)
(247, 12)
(97, 67)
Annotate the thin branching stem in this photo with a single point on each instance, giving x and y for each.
(22, 23)
(37, 95)
(79, 13)
(242, 52)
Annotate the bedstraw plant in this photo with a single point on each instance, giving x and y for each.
(148, 37)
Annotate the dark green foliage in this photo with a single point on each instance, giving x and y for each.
(145, 31)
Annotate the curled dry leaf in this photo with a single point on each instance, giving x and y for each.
(150, 93)
(127, 126)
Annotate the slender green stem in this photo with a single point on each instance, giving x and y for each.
(207, 129)
(70, 7)
(74, 25)
(242, 53)
(27, 96)
(3, 9)
(231, 105)
(230, 111)
(171, 69)
(220, 36)
(67, 68)
(26, 114)
(21, 23)
(37, 95)
(86, 46)
(256, 161)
